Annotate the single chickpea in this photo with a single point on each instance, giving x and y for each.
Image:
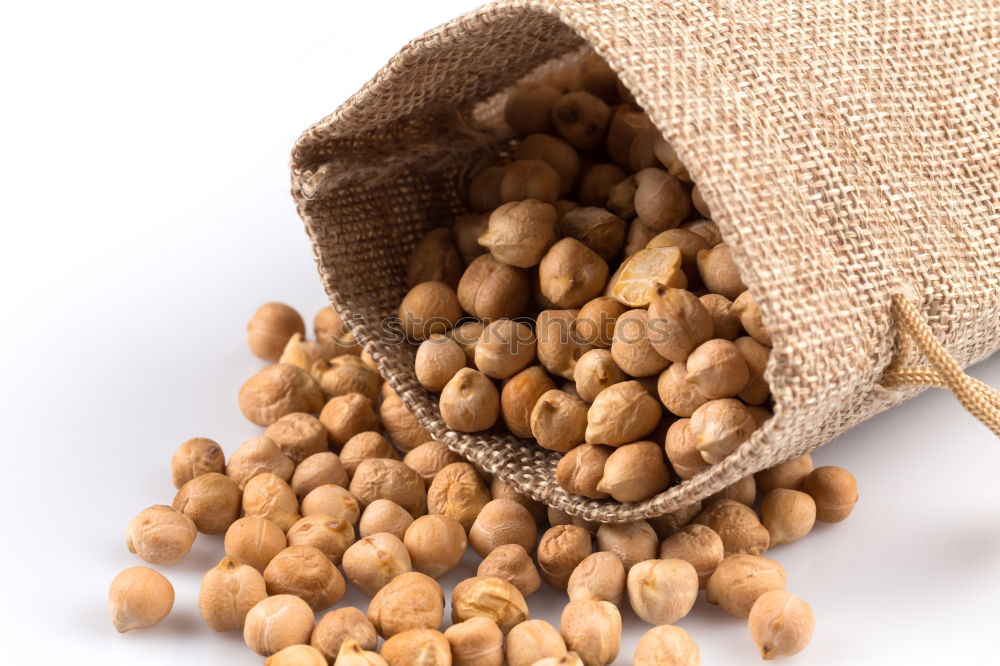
(333, 334)
(648, 270)
(279, 390)
(595, 323)
(435, 258)
(745, 308)
(228, 592)
(438, 359)
(781, 624)
(559, 421)
(331, 500)
(699, 202)
(621, 201)
(834, 490)
(195, 457)
(630, 542)
(459, 492)
(466, 335)
(161, 535)
(568, 659)
(521, 231)
(598, 577)
(788, 515)
(737, 525)
(470, 402)
(431, 457)
(743, 491)
(556, 153)
(268, 496)
(139, 597)
(307, 573)
(689, 244)
(502, 522)
(352, 654)
(599, 229)
(370, 563)
(331, 536)
(666, 645)
(384, 515)
(435, 543)
(529, 108)
(593, 630)
(411, 600)
(719, 427)
(533, 640)
(500, 490)
(400, 424)
(627, 127)
(756, 391)
(347, 373)
(346, 415)
(270, 328)
(788, 474)
(638, 237)
(632, 347)
(725, 325)
(277, 622)
(519, 395)
(312, 357)
(580, 470)
(529, 179)
(698, 545)
(582, 119)
(706, 229)
(466, 229)
(513, 564)
(211, 500)
(635, 472)
(667, 156)
(622, 413)
(570, 273)
(718, 369)
(719, 272)
(492, 290)
(492, 598)
(476, 642)
(429, 308)
(597, 77)
(363, 446)
(595, 371)
(678, 323)
(258, 455)
(296, 655)
(318, 470)
(559, 345)
(298, 435)
(682, 451)
(740, 579)
(417, 647)
(340, 626)
(383, 478)
(660, 200)
(505, 348)
(680, 396)
(254, 541)
(662, 591)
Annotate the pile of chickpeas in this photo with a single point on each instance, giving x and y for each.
(638, 379)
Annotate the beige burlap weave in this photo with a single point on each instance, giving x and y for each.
(849, 151)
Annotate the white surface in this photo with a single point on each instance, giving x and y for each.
(145, 215)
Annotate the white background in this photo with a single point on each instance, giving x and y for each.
(145, 213)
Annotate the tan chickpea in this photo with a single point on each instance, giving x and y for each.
(417, 647)
(347, 373)
(699, 202)
(660, 200)
(743, 491)
(719, 427)
(268, 496)
(725, 325)
(559, 345)
(363, 446)
(595, 371)
(277, 622)
(195, 457)
(352, 654)
(258, 455)
(384, 478)
(298, 435)
(528, 109)
(581, 118)
(491, 290)
(531, 641)
(682, 452)
(740, 579)
(621, 201)
(477, 641)
(678, 323)
(429, 308)
(570, 274)
(719, 272)
(384, 515)
(529, 179)
(409, 601)
(307, 573)
(139, 597)
(161, 535)
(662, 591)
(228, 592)
(333, 334)
(697, 544)
(296, 655)
(370, 563)
(718, 369)
(331, 500)
(593, 630)
(466, 335)
(434, 258)
(667, 156)
(500, 490)
(521, 231)
(595, 323)
(512, 563)
(435, 543)
(737, 525)
(502, 522)
(689, 244)
(492, 598)
(254, 541)
(470, 402)
(788, 515)
(630, 542)
(317, 470)
(400, 424)
(568, 659)
(438, 359)
(279, 390)
(670, 523)
(313, 357)
(666, 645)
(756, 391)
(745, 308)
(632, 346)
(211, 500)
(466, 229)
(331, 536)
(559, 421)
(505, 348)
(338, 627)
(788, 474)
(627, 127)
(834, 490)
(270, 328)
(641, 274)
(344, 416)
(622, 413)
(680, 396)
(781, 624)
(597, 228)
(519, 395)
(635, 472)
(580, 470)
(458, 491)
(598, 577)
(556, 153)
(637, 238)
(597, 77)
(430, 458)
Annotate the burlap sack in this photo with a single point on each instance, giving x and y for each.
(848, 149)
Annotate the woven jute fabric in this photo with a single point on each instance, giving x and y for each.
(849, 150)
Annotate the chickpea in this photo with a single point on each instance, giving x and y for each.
(725, 325)
(195, 457)
(630, 542)
(834, 490)
(559, 345)
(331, 500)
(598, 577)
(627, 127)
(559, 421)
(417, 647)
(662, 591)
(581, 118)
(438, 359)
(781, 624)
(745, 308)
(296, 655)
(501, 522)
(258, 455)
(364, 446)
(698, 545)
(298, 435)
(466, 229)
(279, 390)
(254, 541)
(667, 156)
(352, 654)
(512, 563)
(307, 573)
(638, 237)
(529, 179)
(228, 592)
(458, 491)
(596, 183)
(211, 500)
(430, 458)
(632, 346)
(382, 478)
(580, 470)
(518, 398)
(622, 413)
(669, 524)
(680, 396)
(532, 640)
(740, 579)
(331, 536)
(268, 496)
(737, 525)
(719, 272)
(666, 645)
(719, 427)
(492, 290)
(788, 474)
(635, 472)
(436, 544)
(476, 642)
(338, 627)
(682, 452)
(384, 515)
(318, 470)
(139, 597)
(270, 328)
(409, 601)
(571, 273)
(660, 200)
(560, 550)
(788, 515)
(435, 258)
(161, 535)
(466, 335)
(599, 229)
(529, 108)
(593, 630)
(333, 333)
(595, 323)
(429, 308)
(521, 231)
(756, 391)
(350, 374)
(277, 622)
(505, 348)
(346, 415)
(370, 563)
(400, 424)
(555, 152)
(595, 371)
(492, 598)
(500, 490)
(642, 274)
(470, 402)
(678, 323)
(743, 491)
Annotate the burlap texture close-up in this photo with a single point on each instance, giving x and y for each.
(848, 150)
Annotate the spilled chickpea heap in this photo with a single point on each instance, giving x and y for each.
(589, 304)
